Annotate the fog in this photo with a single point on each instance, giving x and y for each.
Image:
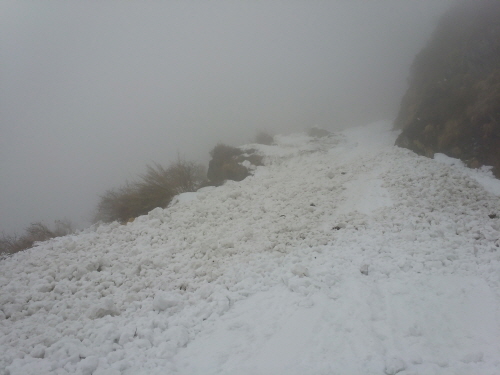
(92, 91)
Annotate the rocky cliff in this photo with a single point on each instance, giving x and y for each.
(452, 105)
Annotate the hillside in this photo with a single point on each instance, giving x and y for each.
(452, 105)
(341, 255)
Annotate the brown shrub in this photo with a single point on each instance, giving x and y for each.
(36, 232)
(156, 188)
(119, 205)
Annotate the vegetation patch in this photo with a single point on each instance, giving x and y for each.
(156, 188)
(36, 232)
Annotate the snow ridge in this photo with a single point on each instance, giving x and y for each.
(342, 255)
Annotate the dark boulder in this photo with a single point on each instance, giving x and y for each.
(226, 163)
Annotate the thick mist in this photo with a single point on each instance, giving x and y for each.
(92, 91)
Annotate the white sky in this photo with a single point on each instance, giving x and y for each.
(92, 91)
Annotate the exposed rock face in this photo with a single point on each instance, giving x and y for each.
(452, 105)
(318, 133)
(226, 164)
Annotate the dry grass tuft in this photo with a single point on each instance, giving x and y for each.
(156, 188)
(36, 232)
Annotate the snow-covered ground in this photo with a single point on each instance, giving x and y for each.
(343, 255)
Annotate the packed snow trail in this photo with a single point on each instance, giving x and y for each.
(342, 255)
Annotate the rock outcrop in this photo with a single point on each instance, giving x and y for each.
(452, 105)
(228, 164)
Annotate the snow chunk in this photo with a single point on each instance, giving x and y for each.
(158, 213)
(45, 287)
(38, 351)
(184, 198)
(106, 307)
(300, 271)
(178, 335)
(163, 301)
(445, 159)
(473, 357)
(88, 365)
(394, 365)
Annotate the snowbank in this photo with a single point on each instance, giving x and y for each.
(342, 255)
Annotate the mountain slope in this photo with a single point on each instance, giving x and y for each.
(342, 255)
(452, 105)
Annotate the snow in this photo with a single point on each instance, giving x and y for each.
(482, 175)
(342, 255)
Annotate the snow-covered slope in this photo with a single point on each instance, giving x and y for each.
(343, 255)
